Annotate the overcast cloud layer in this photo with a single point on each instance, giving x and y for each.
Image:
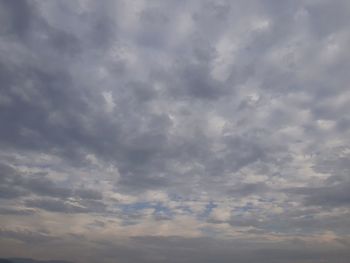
(175, 131)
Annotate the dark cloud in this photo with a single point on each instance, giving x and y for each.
(15, 184)
(11, 211)
(88, 194)
(17, 17)
(43, 186)
(222, 120)
(54, 205)
(249, 189)
(27, 236)
(326, 196)
(9, 179)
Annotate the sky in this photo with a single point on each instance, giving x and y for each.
(175, 131)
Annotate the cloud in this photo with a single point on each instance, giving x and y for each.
(158, 124)
(27, 236)
(326, 196)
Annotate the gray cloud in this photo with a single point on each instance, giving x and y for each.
(218, 122)
(54, 205)
(27, 236)
(327, 196)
